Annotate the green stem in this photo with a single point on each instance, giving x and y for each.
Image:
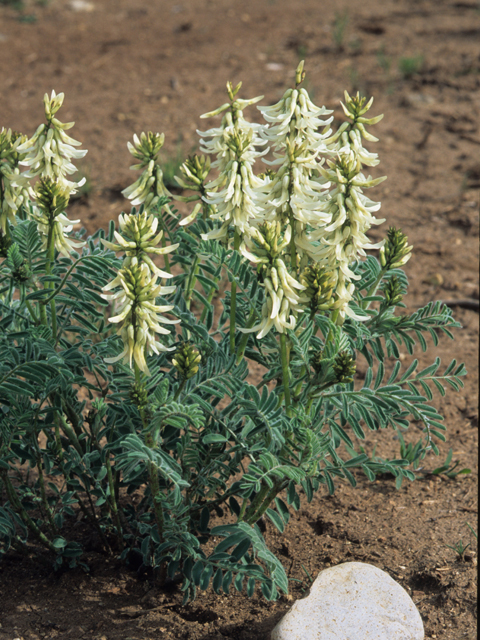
(258, 499)
(192, 279)
(266, 502)
(48, 271)
(17, 505)
(43, 494)
(298, 387)
(165, 256)
(373, 288)
(331, 335)
(152, 469)
(285, 372)
(113, 502)
(179, 390)
(293, 248)
(210, 298)
(233, 299)
(244, 339)
(71, 435)
(32, 312)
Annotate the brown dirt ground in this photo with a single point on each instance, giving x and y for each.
(129, 66)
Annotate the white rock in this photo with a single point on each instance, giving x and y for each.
(352, 601)
(81, 5)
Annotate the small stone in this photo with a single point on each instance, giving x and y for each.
(352, 601)
(81, 5)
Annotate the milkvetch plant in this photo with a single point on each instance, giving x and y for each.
(124, 359)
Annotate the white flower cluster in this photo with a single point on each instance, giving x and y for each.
(342, 240)
(237, 203)
(50, 151)
(138, 288)
(283, 300)
(149, 188)
(61, 227)
(49, 155)
(235, 193)
(295, 194)
(11, 195)
(321, 209)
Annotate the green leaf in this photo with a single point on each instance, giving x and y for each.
(276, 519)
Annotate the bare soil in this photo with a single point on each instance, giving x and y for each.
(129, 66)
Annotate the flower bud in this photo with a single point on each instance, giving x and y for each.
(395, 252)
(319, 285)
(344, 367)
(393, 292)
(139, 395)
(186, 360)
(51, 197)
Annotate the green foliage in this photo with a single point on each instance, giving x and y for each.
(409, 66)
(339, 27)
(206, 449)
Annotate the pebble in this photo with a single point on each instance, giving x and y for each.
(81, 5)
(352, 601)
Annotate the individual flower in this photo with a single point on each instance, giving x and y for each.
(138, 314)
(48, 213)
(12, 196)
(49, 153)
(138, 237)
(283, 297)
(149, 188)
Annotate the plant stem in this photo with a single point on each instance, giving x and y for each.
(48, 271)
(71, 435)
(285, 372)
(192, 279)
(32, 312)
(244, 339)
(266, 502)
(331, 335)
(43, 494)
(152, 469)
(258, 499)
(210, 298)
(233, 299)
(373, 289)
(17, 505)
(180, 389)
(113, 502)
(164, 244)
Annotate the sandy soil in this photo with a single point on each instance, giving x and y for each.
(129, 66)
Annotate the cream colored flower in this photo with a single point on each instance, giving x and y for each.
(49, 153)
(138, 314)
(237, 203)
(295, 194)
(49, 214)
(138, 238)
(149, 188)
(13, 191)
(283, 300)
(343, 240)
